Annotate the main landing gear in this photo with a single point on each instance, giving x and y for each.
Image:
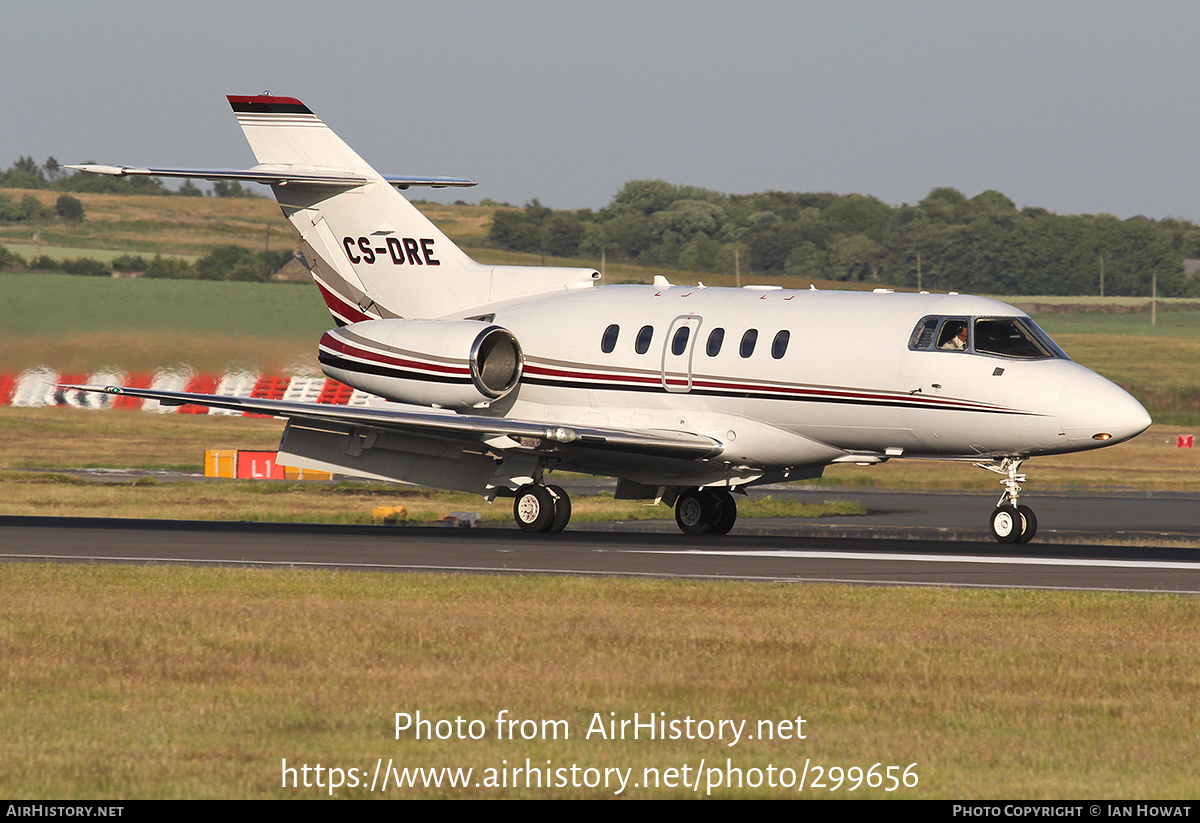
(539, 508)
(1011, 523)
(705, 511)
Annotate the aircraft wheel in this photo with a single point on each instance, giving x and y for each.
(1028, 524)
(1006, 524)
(534, 508)
(697, 512)
(562, 508)
(728, 511)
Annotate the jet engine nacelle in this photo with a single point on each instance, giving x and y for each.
(452, 364)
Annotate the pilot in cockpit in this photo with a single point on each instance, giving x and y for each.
(954, 337)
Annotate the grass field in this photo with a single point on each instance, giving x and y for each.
(1170, 324)
(140, 682)
(127, 682)
(348, 502)
(45, 304)
(63, 438)
(53, 439)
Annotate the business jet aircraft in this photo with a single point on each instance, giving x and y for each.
(491, 377)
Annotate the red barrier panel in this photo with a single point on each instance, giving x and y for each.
(269, 388)
(335, 393)
(200, 384)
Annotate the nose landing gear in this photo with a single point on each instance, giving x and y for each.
(1011, 523)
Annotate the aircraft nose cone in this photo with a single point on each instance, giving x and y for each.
(1094, 411)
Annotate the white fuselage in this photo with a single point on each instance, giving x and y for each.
(848, 382)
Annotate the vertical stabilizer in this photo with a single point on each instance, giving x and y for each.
(372, 253)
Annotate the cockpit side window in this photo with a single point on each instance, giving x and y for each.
(954, 335)
(922, 335)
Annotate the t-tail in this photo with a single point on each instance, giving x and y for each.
(371, 252)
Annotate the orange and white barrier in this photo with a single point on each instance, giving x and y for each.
(38, 387)
(246, 464)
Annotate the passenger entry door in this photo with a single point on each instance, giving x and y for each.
(677, 353)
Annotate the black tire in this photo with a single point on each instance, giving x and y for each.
(696, 512)
(727, 508)
(1006, 524)
(533, 508)
(562, 509)
(1028, 524)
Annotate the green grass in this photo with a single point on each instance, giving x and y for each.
(47, 304)
(1092, 301)
(1168, 323)
(346, 502)
(131, 682)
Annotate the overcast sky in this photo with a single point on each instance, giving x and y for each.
(1078, 107)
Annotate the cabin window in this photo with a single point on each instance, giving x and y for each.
(779, 344)
(609, 341)
(748, 341)
(642, 344)
(680, 340)
(715, 338)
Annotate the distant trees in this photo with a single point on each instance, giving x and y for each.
(190, 189)
(78, 265)
(232, 188)
(947, 241)
(538, 229)
(223, 263)
(239, 263)
(69, 208)
(30, 207)
(27, 208)
(26, 173)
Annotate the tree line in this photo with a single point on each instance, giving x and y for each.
(946, 242)
(222, 263)
(27, 173)
(30, 208)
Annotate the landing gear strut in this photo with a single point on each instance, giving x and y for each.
(1011, 523)
(539, 508)
(705, 511)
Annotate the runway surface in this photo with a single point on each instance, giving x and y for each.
(638, 551)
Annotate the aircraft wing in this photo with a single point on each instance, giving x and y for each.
(275, 174)
(499, 433)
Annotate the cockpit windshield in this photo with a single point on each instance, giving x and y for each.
(1013, 337)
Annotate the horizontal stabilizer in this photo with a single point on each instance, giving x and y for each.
(275, 175)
